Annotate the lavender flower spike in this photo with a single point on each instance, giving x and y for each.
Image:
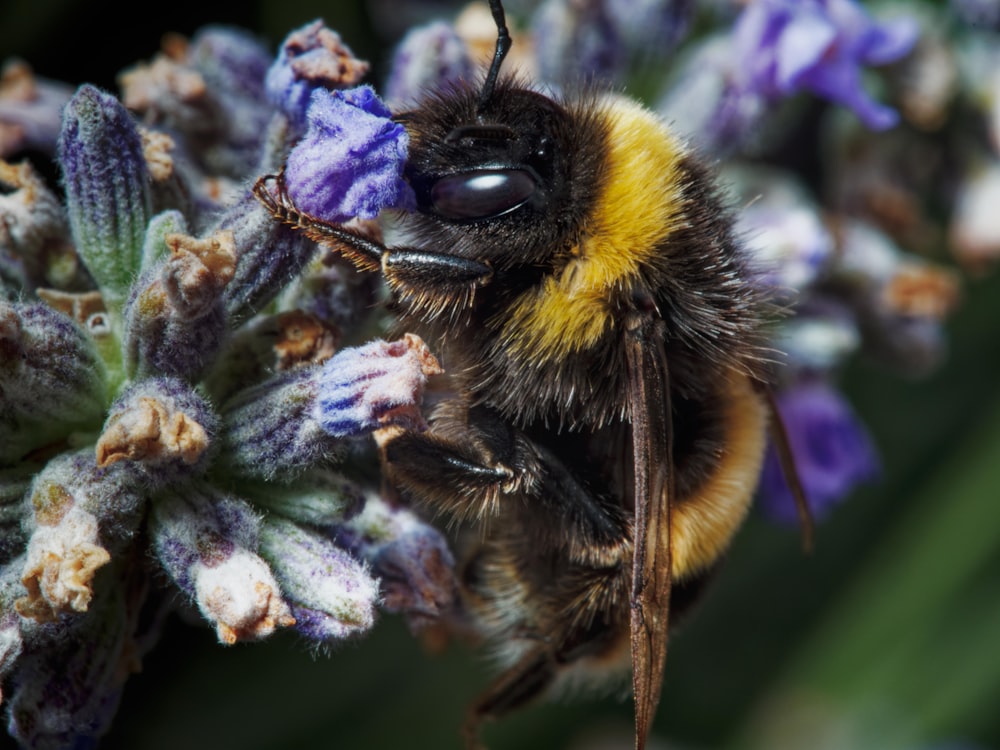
(207, 542)
(331, 594)
(107, 188)
(350, 162)
(832, 451)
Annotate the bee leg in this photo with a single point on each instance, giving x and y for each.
(461, 479)
(517, 687)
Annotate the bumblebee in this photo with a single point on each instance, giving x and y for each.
(577, 272)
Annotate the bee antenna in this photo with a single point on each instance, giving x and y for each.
(503, 46)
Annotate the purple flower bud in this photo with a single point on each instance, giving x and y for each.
(781, 47)
(52, 380)
(332, 595)
(107, 188)
(311, 57)
(372, 386)
(280, 428)
(268, 255)
(429, 58)
(30, 110)
(577, 41)
(162, 429)
(832, 450)
(66, 690)
(175, 318)
(207, 543)
(350, 162)
(411, 558)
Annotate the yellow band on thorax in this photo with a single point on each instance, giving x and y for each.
(637, 206)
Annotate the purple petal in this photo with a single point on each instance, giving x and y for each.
(350, 162)
(833, 452)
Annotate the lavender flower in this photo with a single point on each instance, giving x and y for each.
(52, 379)
(175, 317)
(576, 40)
(430, 58)
(207, 543)
(66, 689)
(350, 162)
(782, 47)
(331, 595)
(411, 559)
(832, 451)
(299, 418)
(311, 58)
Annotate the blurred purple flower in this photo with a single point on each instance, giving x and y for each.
(781, 47)
(430, 58)
(350, 162)
(833, 452)
(576, 40)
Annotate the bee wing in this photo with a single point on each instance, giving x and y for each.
(649, 397)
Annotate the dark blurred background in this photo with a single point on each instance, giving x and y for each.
(887, 636)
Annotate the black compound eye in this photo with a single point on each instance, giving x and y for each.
(482, 194)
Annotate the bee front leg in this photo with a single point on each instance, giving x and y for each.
(465, 480)
(427, 283)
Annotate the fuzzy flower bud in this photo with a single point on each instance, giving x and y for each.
(268, 255)
(80, 514)
(162, 428)
(350, 162)
(107, 188)
(52, 380)
(374, 386)
(429, 58)
(300, 417)
(207, 543)
(410, 557)
(66, 691)
(320, 498)
(176, 321)
(331, 594)
(311, 57)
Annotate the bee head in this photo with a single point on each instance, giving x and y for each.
(490, 162)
